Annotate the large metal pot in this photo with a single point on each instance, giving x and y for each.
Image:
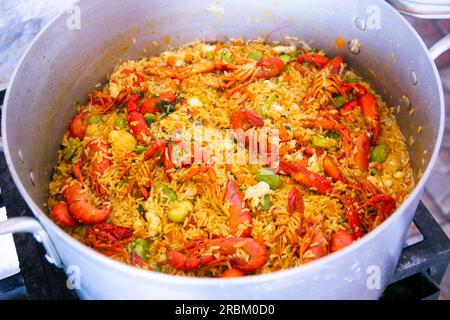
(65, 63)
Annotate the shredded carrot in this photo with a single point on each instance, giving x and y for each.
(131, 186)
(139, 79)
(218, 47)
(127, 72)
(340, 43)
(284, 134)
(188, 57)
(238, 42)
(171, 60)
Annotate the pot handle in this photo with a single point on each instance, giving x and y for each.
(437, 9)
(440, 47)
(31, 225)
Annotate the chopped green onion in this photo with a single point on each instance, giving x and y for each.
(319, 142)
(374, 172)
(271, 99)
(140, 247)
(286, 58)
(80, 230)
(255, 55)
(224, 56)
(379, 153)
(165, 106)
(141, 209)
(209, 56)
(339, 101)
(261, 111)
(333, 135)
(167, 193)
(265, 204)
(150, 118)
(71, 148)
(156, 268)
(140, 149)
(270, 177)
(351, 80)
(121, 122)
(323, 142)
(296, 53)
(94, 120)
(69, 153)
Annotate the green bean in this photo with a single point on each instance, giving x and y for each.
(140, 247)
(224, 56)
(71, 149)
(286, 58)
(268, 176)
(140, 149)
(339, 101)
(94, 120)
(179, 210)
(374, 172)
(167, 193)
(265, 204)
(322, 142)
(121, 122)
(150, 118)
(379, 153)
(69, 153)
(255, 55)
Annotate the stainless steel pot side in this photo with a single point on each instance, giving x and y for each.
(64, 64)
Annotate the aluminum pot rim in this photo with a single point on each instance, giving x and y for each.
(196, 281)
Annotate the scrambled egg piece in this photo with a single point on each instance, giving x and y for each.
(256, 192)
